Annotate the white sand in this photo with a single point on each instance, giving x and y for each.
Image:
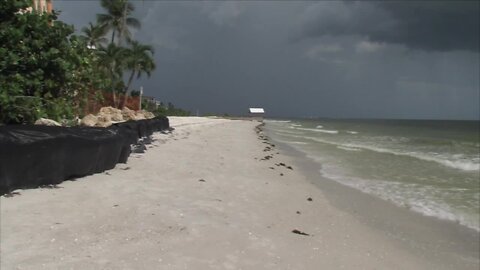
(154, 213)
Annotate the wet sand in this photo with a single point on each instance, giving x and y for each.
(203, 198)
(439, 241)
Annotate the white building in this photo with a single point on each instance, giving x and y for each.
(257, 113)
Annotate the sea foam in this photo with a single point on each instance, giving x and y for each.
(349, 148)
(276, 121)
(448, 161)
(411, 196)
(320, 130)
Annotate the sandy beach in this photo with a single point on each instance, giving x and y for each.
(201, 197)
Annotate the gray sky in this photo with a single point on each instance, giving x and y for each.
(310, 59)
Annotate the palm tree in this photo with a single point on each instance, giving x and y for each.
(139, 61)
(112, 59)
(117, 18)
(94, 35)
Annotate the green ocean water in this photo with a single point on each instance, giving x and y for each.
(431, 167)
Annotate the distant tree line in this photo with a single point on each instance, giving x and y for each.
(163, 109)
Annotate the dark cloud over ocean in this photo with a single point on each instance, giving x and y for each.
(368, 59)
(427, 25)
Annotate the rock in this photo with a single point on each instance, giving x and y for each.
(47, 122)
(104, 120)
(115, 114)
(104, 117)
(104, 124)
(128, 114)
(89, 120)
(109, 110)
(148, 115)
(139, 115)
(70, 122)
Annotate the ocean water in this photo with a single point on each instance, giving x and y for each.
(431, 167)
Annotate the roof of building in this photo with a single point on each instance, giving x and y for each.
(257, 110)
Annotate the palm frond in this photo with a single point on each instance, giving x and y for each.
(133, 22)
(104, 19)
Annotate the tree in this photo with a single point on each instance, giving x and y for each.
(117, 18)
(38, 64)
(112, 60)
(94, 35)
(139, 61)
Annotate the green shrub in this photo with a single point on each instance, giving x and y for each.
(40, 65)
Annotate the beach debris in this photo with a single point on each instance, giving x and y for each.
(126, 168)
(267, 157)
(50, 186)
(290, 168)
(300, 232)
(115, 205)
(281, 174)
(139, 149)
(298, 212)
(11, 194)
(272, 168)
(107, 173)
(309, 199)
(202, 180)
(47, 122)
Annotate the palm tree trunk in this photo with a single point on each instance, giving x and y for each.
(124, 24)
(127, 88)
(114, 96)
(113, 36)
(114, 99)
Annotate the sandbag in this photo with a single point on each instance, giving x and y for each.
(32, 156)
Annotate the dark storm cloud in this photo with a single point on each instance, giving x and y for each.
(223, 57)
(425, 25)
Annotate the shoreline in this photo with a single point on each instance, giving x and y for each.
(414, 231)
(200, 197)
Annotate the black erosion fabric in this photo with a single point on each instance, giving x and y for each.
(32, 156)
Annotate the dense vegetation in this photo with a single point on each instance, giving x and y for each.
(47, 71)
(40, 64)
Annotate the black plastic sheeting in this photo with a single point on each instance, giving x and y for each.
(32, 156)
